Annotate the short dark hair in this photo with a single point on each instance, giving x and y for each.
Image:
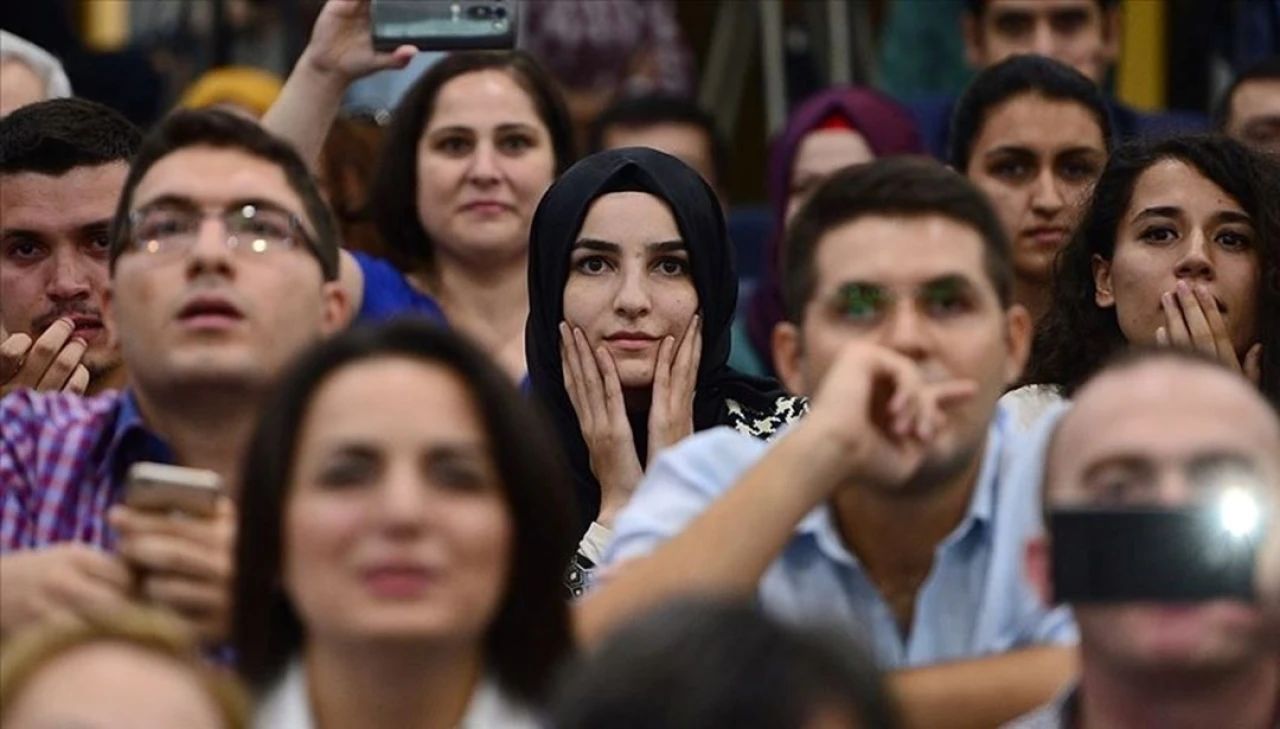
(1267, 69)
(184, 129)
(978, 7)
(907, 186)
(1076, 336)
(393, 195)
(531, 633)
(648, 110)
(706, 664)
(56, 136)
(1013, 77)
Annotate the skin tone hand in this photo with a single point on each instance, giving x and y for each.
(1193, 321)
(342, 43)
(591, 379)
(674, 381)
(876, 405)
(63, 583)
(51, 362)
(183, 563)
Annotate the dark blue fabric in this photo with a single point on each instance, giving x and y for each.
(388, 294)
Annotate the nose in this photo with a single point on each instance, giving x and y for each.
(1195, 260)
(401, 501)
(209, 253)
(485, 168)
(1043, 40)
(71, 277)
(1173, 489)
(632, 299)
(904, 331)
(1046, 199)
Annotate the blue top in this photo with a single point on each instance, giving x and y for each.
(388, 294)
(975, 602)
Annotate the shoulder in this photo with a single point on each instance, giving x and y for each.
(767, 422)
(1028, 405)
(54, 412)
(284, 705)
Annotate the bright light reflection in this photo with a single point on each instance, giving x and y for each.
(1240, 513)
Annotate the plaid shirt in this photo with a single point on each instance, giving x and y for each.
(63, 460)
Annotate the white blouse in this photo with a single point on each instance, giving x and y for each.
(286, 706)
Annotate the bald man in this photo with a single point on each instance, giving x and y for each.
(1144, 432)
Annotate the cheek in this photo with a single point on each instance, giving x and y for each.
(21, 291)
(320, 533)
(585, 299)
(1010, 202)
(677, 304)
(531, 176)
(480, 535)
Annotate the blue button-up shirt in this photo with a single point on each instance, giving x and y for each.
(975, 601)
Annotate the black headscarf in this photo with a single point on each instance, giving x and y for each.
(698, 216)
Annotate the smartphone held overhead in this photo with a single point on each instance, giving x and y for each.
(445, 25)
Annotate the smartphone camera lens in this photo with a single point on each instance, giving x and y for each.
(500, 13)
(480, 12)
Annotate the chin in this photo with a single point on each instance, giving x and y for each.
(635, 375)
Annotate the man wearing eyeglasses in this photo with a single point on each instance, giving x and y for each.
(888, 510)
(1157, 504)
(223, 263)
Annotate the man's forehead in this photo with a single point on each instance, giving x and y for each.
(1038, 7)
(208, 176)
(80, 197)
(900, 250)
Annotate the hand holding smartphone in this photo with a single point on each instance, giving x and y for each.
(159, 488)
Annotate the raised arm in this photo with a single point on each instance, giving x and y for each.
(340, 51)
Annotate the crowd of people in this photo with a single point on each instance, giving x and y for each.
(499, 437)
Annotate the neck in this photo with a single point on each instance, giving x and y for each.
(205, 427)
(895, 534)
(1035, 296)
(487, 303)
(112, 379)
(398, 685)
(1245, 698)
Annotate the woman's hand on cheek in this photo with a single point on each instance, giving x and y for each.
(591, 380)
(675, 379)
(1193, 321)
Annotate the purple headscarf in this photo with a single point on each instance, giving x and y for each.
(889, 130)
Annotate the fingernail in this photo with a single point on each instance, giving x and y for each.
(1183, 288)
(81, 342)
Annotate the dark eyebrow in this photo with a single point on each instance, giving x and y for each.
(186, 203)
(97, 227)
(1062, 14)
(603, 246)
(1010, 150)
(954, 280)
(1161, 211)
(1128, 462)
(501, 128)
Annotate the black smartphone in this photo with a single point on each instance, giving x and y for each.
(1155, 554)
(445, 25)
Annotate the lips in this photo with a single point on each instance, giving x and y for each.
(1047, 235)
(398, 580)
(209, 312)
(486, 206)
(631, 341)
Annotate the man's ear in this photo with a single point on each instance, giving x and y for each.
(1112, 33)
(1104, 294)
(974, 48)
(1038, 555)
(788, 357)
(1020, 330)
(336, 311)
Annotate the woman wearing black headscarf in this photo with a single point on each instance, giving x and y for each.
(632, 293)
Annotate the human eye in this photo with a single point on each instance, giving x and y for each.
(453, 145)
(515, 143)
(99, 241)
(948, 298)
(458, 473)
(1234, 240)
(1158, 234)
(24, 249)
(165, 224)
(672, 266)
(861, 303)
(592, 265)
(1010, 170)
(1119, 485)
(1079, 170)
(348, 470)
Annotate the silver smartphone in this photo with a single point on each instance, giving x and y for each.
(445, 25)
(156, 487)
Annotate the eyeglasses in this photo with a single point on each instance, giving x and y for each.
(165, 229)
(868, 303)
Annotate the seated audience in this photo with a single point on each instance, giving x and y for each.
(887, 510)
(28, 74)
(1250, 110)
(404, 526)
(1083, 34)
(62, 165)
(223, 267)
(1179, 245)
(672, 124)
(242, 90)
(1127, 444)
(469, 152)
(831, 130)
(715, 664)
(1034, 135)
(131, 670)
(632, 295)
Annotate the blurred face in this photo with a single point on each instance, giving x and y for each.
(1037, 159)
(19, 86)
(916, 286)
(112, 686)
(1181, 227)
(1075, 32)
(1255, 114)
(53, 254)
(821, 153)
(686, 142)
(207, 313)
(484, 160)
(1131, 444)
(629, 282)
(396, 524)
